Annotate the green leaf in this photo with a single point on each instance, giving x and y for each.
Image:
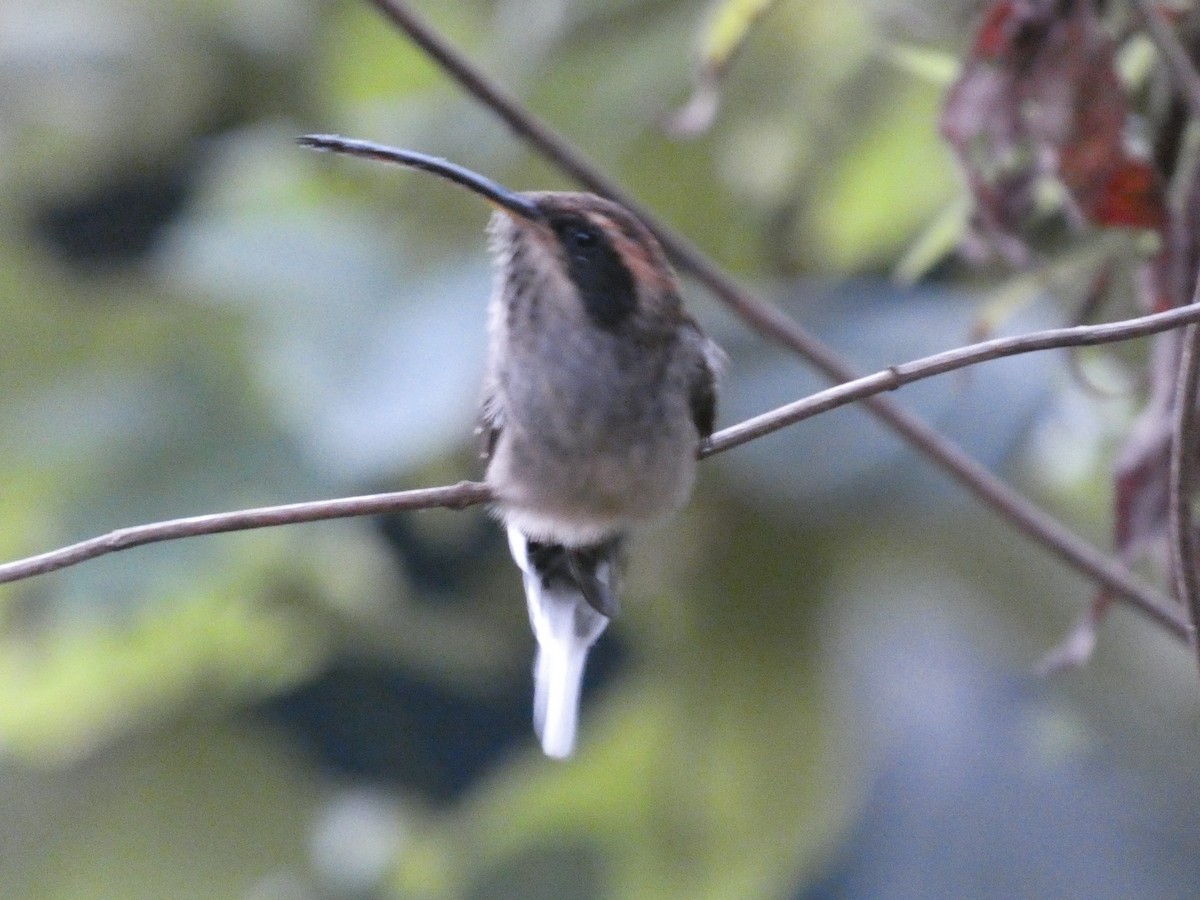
(727, 29)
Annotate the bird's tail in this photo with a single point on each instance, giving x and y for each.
(571, 594)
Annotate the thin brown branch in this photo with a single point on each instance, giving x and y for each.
(1186, 426)
(456, 496)
(1185, 437)
(769, 321)
(905, 373)
(468, 493)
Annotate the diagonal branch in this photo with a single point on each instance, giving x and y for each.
(769, 321)
(468, 493)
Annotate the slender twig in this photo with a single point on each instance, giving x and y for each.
(1018, 511)
(1173, 52)
(455, 496)
(469, 493)
(896, 376)
(1186, 426)
(1185, 437)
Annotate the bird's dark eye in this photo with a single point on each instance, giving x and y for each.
(578, 234)
(581, 238)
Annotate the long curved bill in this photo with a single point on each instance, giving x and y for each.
(496, 194)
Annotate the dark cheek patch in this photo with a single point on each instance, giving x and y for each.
(604, 283)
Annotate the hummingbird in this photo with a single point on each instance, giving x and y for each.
(599, 390)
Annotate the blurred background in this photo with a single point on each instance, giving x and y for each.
(821, 684)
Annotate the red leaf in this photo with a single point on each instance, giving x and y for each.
(996, 31)
(1039, 97)
(1131, 198)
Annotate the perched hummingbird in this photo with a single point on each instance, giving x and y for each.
(599, 389)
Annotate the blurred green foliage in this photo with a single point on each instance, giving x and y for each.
(301, 327)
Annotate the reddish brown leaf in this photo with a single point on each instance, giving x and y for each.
(1039, 97)
(995, 32)
(1132, 198)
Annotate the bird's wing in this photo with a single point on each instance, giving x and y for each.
(490, 426)
(702, 394)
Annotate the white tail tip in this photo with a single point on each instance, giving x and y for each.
(565, 626)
